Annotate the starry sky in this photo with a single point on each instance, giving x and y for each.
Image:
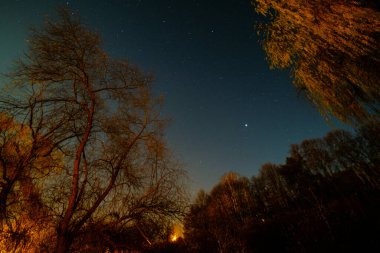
(229, 111)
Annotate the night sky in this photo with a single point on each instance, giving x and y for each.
(229, 111)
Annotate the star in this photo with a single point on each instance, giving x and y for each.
(245, 125)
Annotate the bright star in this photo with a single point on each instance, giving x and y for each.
(246, 125)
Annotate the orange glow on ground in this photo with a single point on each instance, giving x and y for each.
(173, 238)
(176, 233)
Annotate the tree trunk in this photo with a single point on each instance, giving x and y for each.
(3, 203)
(63, 242)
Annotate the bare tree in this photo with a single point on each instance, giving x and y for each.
(101, 115)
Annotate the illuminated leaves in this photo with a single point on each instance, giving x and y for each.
(26, 160)
(332, 50)
(21, 152)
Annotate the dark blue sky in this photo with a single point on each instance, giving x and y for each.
(229, 111)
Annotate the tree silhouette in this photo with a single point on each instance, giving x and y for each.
(324, 198)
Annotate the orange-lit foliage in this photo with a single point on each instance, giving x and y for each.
(20, 148)
(332, 49)
(24, 158)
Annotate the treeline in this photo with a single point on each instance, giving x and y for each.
(324, 198)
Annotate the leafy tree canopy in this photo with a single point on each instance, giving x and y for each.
(332, 49)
